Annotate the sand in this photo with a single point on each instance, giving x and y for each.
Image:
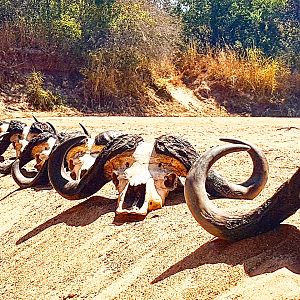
(53, 248)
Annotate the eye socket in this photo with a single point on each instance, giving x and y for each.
(115, 179)
(170, 181)
(95, 154)
(127, 164)
(160, 165)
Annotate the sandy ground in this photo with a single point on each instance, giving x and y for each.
(52, 248)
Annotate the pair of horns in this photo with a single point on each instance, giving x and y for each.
(284, 203)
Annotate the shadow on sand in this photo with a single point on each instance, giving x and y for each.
(89, 211)
(265, 253)
(82, 214)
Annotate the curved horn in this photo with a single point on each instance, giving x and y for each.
(178, 148)
(35, 119)
(40, 127)
(41, 178)
(14, 127)
(107, 136)
(284, 203)
(52, 127)
(59, 178)
(259, 177)
(85, 130)
(5, 141)
(95, 178)
(5, 166)
(216, 185)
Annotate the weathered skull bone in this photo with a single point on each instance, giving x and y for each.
(12, 135)
(19, 141)
(24, 135)
(144, 179)
(38, 150)
(81, 157)
(42, 151)
(144, 173)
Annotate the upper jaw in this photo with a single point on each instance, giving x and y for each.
(139, 199)
(132, 200)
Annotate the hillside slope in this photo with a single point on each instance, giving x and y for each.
(173, 100)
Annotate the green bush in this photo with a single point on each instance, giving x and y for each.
(37, 96)
(141, 37)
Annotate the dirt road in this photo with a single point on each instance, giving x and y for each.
(52, 248)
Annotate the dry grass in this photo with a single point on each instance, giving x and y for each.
(37, 96)
(245, 79)
(22, 35)
(119, 78)
(116, 81)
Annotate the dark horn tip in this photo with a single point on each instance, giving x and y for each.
(35, 119)
(85, 130)
(232, 140)
(53, 128)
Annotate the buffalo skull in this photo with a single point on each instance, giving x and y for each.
(144, 173)
(83, 155)
(78, 159)
(143, 178)
(18, 134)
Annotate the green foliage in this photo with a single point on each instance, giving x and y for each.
(81, 26)
(243, 23)
(67, 26)
(140, 37)
(37, 96)
(121, 45)
(70, 26)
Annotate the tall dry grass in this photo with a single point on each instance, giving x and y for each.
(141, 42)
(23, 34)
(241, 80)
(39, 97)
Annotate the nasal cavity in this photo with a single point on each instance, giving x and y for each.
(170, 181)
(135, 196)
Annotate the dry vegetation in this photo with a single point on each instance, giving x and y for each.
(119, 57)
(242, 83)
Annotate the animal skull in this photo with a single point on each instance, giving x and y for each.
(42, 151)
(21, 139)
(144, 173)
(143, 179)
(81, 158)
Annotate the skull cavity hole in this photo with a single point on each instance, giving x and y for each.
(115, 179)
(170, 181)
(135, 197)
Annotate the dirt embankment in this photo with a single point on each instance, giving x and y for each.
(52, 248)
